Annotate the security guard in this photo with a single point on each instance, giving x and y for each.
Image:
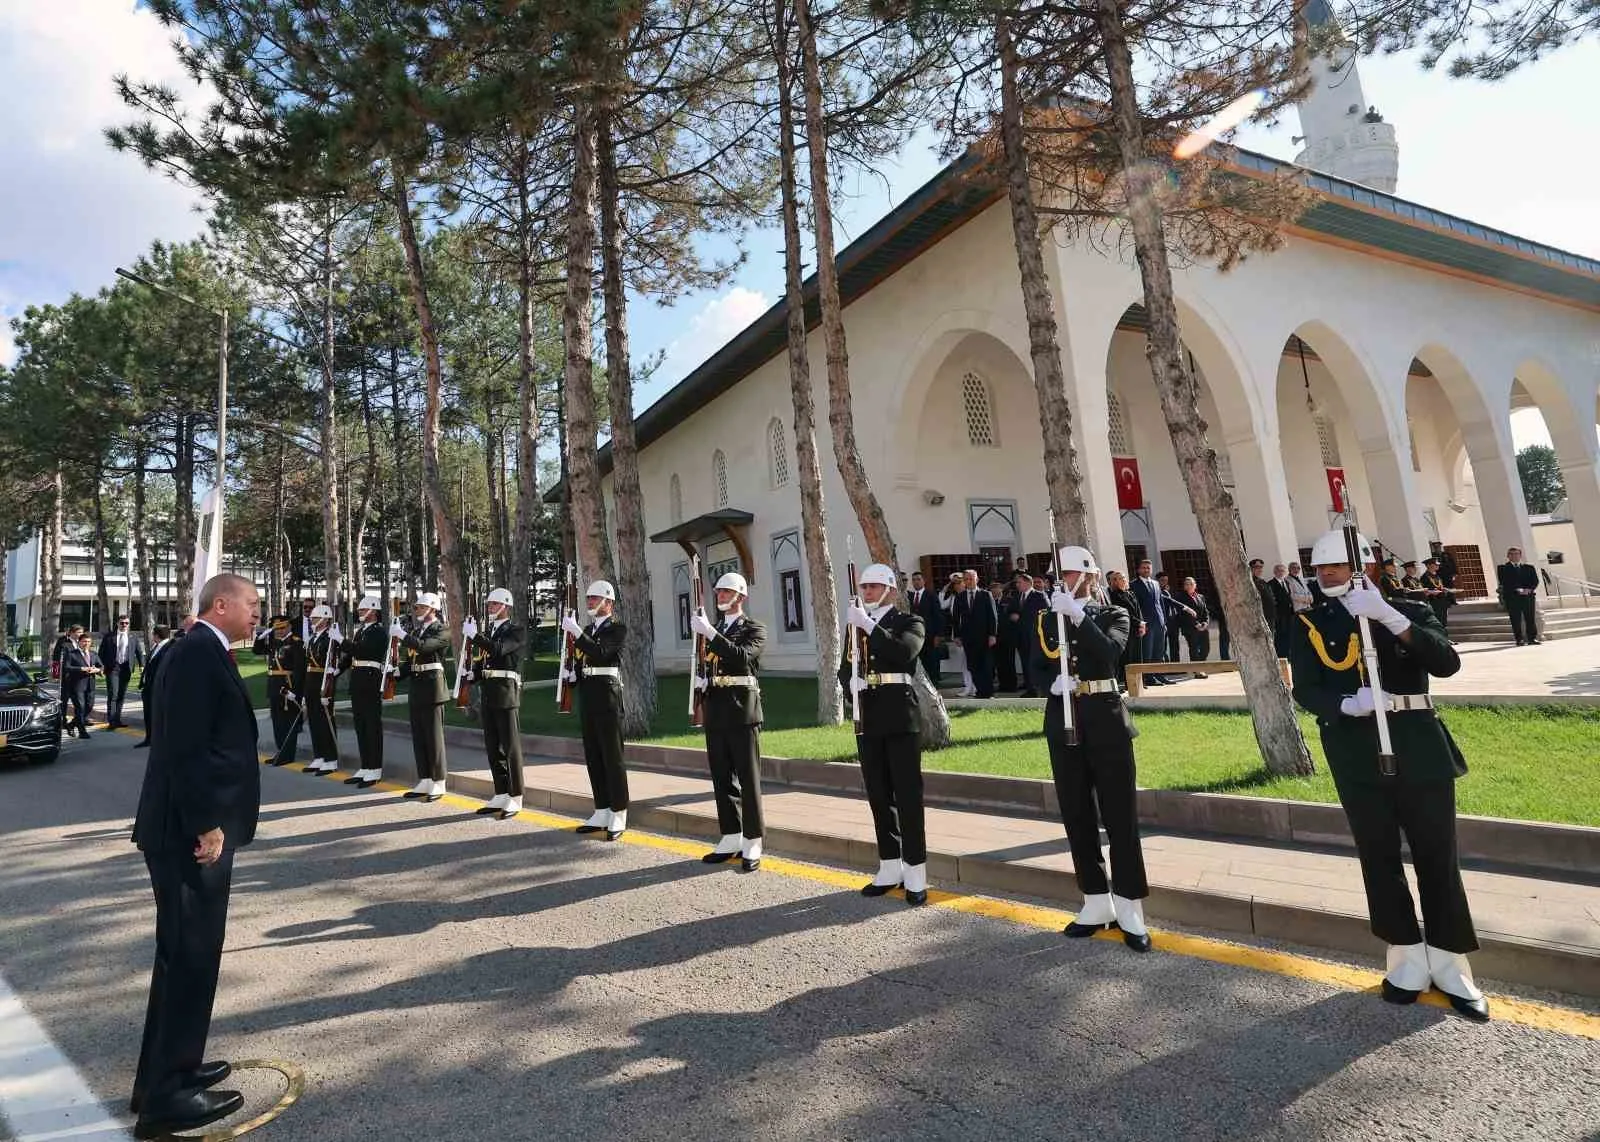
(1094, 772)
(285, 652)
(1418, 800)
(322, 659)
(496, 664)
(364, 654)
(729, 675)
(889, 743)
(426, 646)
(597, 673)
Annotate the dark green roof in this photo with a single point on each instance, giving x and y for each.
(1348, 212)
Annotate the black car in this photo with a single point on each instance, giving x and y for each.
(30, 716)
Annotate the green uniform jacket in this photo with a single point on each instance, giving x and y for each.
(369, 643)
(600, 645)
(892, 648)
(1324, 676)
(423, 645)
(498, 649)
(1097, 644)
(734, 654)
(287, 654)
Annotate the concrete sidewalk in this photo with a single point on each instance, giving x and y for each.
(1539, 931)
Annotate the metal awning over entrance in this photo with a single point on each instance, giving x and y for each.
(724, 523)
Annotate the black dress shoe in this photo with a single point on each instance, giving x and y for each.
(413, 795)
(187, 1111)
(435, 796)
(586, 829)
(142, 745)
(280, 762)
(354, 780)
(487, 810)
(1397, 995)
(206, 1076)
(367, 784)
(878, 889)
(918, 897)
(1081, 931)
(717, 858)
(1476, 1010)
(507, 814)
(749, 864)
(1139, 943)
(610, 836)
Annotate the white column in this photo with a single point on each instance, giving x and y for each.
(1494, 471)
(1261, 493)
(1399, 523)
(1582, 480)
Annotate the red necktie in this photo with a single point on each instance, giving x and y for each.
(233, 658)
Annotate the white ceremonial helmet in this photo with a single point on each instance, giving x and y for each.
(733, 581)
(1331, 547)
(428, 599)
(1075, 558)
(880, 573)
(600, 589)
(369, 603)
(321, 611)
(500, 595)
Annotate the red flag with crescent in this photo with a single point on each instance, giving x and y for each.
(1130, 492)
(1336, 488)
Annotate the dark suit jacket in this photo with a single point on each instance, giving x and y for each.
(152, 667)
(733, 654)
(1269, 602)
(1511, 577)
(108, 651)
(1151, 610)
(975, 622)
(1282, 602)
(500, 649)
(203, 771)
(423, 645)
(928, 610)
(75, 664)
(1196, 603)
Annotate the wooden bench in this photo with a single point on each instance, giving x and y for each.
(1138, 670)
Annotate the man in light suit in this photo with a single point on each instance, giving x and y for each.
(975, 618)
(199, 804)
(120, 651)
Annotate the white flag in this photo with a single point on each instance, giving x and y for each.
(207, 541)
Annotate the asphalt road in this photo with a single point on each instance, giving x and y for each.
(446, 977)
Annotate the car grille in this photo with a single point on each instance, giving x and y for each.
(13, 718)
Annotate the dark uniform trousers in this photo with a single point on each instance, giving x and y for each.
(1418, 803)
(890, 744)
(319, 711)
(281, 655)
(1095, 778)
(502, 740)
(498, 648)
(733, 718)
(369, 643)
(427, 733)
(600, 713)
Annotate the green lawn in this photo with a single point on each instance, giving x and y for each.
(1531, 762)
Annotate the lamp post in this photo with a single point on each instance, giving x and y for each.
(222, 386)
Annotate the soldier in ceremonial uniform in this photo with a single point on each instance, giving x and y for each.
(1418, 799)
(1437, 595)
(496, 665)
(889, 743)
(426, 646)
(729, 675)
(285, 652)
(364, 655)
(597, 673)
(322, 659)
(1094, 774)
(1389, 583)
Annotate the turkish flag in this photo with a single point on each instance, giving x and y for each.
(1336, 488)
(1130, 492)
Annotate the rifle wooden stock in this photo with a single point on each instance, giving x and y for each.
(697, 653)
(391, 668)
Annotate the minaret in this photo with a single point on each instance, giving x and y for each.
(1343, 134)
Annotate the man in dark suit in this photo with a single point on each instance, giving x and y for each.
(1036, 599)
(79, 665)
(147, 680)
(1519, 587)
(924, 603)
(1282, 608)
(120, 651)
(1269, 601)
(977, 622)
(1153, 613)
(199, 804)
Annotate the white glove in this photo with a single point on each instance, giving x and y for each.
(469, 628)
(702, 626)
(1359, 704)
(569, 676)
(858, 618)
(570, 625)
(335, 633)
(290, 697)
(701, 682)
(1064, 604)
(1369, 604)
(396, 630)
(857, 685)
(1063, 683)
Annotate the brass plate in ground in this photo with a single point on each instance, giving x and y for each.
(295, 1085)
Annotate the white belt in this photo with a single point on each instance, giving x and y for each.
(511, 674)
(421, 667)
(1398, 702)
(735, 680)
(368, 665)
(1096, 686)
(602, 672)
(888, 680)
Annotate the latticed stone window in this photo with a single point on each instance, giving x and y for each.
(675, 498)
(719, 478)
(1121, 439)
(980, 412)
(1328, 438)
(779, 448)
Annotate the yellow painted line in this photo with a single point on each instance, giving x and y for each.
(1505, 1009)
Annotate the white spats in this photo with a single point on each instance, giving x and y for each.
(1451, 973)
(498, 801)
(599, 819)
(888, 873)
(618, 821)
(423, 788)
(1096, 909)
(328, 765)
(1407, 966)
(513, 805)
(750, 849)
(1130, 915)
(370, 775)
(730, 843)
(916, 878)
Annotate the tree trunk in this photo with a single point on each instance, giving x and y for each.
(577, 317)
(369, 489)
(183, 518)
(449, 538)
(50, 566)
(141, 547)
(1271, 708)
(813, 508)
(633, 569)
(102, 596)
(332, 531)
(1049, 381)
(528, 507)
(279, 554)
(410, 551)
(841, 417)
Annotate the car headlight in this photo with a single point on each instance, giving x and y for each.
(45, 713)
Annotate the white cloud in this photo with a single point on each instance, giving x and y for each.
(8, 344)
(71, 209)
(718, 321)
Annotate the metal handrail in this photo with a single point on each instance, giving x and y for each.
(1584, 586)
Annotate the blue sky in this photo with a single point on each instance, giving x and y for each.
(1519, 155)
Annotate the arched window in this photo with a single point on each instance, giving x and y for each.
(978, 406)
(719, 478)
(675, 498)
(778, 454)
(1121, 441)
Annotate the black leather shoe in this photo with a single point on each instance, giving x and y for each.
(717, 858)
(1139, 943)
(280, 762)
(1476, 1010)
(747, 864)
(1081, 931)
(915, 898)
(205, 1077)
(610, 836)
(413, 795)
(187, 1111)
(878, 889)
(435, 796)
(1397, 995)
(487, 810)
(507, 814)
(367, 784)
(587, 829)
(142, 745)
(353, 780)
